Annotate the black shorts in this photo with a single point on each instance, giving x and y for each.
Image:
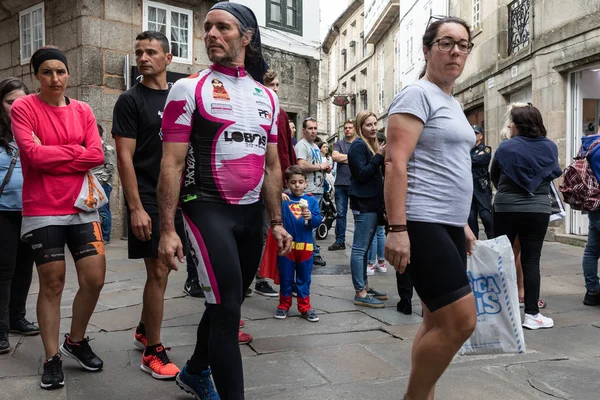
(438, 263)
(48, 243)
(138, 249)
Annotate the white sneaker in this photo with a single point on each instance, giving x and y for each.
(381, 267)
(370, 270)
(537, 322)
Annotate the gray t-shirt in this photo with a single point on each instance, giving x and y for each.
(342, 177)
(310, 153)
(440, 186)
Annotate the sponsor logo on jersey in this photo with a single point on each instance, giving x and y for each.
(250, 139)
(265, 114)
(262, 103)
(190, 168)
(221, 109)
(259, 92)
(219, 92)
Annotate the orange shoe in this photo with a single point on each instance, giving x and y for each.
(159, 365)
(244, 338)
(242, 324)
(140, 341)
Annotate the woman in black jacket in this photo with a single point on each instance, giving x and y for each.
(365, 159)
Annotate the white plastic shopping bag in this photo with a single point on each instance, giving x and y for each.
(92, 196)
(493, 278)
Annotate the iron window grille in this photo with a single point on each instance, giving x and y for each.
(518, 25)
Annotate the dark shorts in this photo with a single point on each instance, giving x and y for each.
(48, 243)
(438, 263)
(138, 249)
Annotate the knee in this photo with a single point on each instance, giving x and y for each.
(52, 287)
(462, 327)
(92, 285)
(158, 272)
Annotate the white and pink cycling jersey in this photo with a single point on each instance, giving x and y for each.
(228, 119)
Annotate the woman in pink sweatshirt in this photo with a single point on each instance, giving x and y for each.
(59, 142)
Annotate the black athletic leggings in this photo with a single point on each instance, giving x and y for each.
(226, 245)
(531, 229)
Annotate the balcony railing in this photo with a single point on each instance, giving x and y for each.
(518, 25)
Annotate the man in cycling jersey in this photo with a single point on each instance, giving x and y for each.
(220, 145)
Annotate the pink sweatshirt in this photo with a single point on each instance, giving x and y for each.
(53, 172)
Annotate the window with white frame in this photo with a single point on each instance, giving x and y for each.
(380, 80)
(396, 63)
(176, 23)
(476, 13)
(32, 31)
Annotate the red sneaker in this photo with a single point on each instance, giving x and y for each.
(242, 324)
(140, 341)
(244, 338)
(159, 365)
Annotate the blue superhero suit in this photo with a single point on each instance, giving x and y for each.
(300, 259)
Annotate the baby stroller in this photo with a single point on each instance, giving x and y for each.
(328, 212)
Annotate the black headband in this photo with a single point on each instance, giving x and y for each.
(247, 19)
(42, 55)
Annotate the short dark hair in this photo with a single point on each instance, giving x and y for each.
(349, 121)
(306, 120)
(158, 36)
(528, 121)
(432, 31)
(294, 170)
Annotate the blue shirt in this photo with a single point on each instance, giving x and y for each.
(10, 199)
(293, 221)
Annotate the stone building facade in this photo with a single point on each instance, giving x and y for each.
(546, 52)
(99, 36)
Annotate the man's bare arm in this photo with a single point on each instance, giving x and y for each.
(125, 150)
(171, 168)
(308, 167)
(339, 157)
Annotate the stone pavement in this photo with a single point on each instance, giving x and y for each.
(351, 353)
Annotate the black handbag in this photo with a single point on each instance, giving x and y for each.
(13, 163)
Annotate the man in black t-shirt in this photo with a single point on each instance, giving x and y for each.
(342, 184)
(137, 119)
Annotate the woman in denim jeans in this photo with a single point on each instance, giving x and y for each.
(365, 159)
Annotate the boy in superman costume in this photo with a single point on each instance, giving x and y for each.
(301, 215)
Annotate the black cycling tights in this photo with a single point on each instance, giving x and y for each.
(226, 245)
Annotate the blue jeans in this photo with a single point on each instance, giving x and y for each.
(341, 207)
(365, 224)
(105, 214)
(316, 251)
(592, 253)
(377, 246)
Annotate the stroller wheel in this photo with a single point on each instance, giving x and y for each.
(322, 231)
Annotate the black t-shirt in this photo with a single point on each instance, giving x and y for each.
(138, 115)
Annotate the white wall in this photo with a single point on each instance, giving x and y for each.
(414, 16)
(306, 45)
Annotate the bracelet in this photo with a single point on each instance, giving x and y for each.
(396, 228)
(276, 222)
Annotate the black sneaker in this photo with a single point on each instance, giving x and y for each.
(294, 290)
(264, 289)
(404, 306)
(4, 343)
(591, 299)
(192, 288)
(337, 246)
(82, 353)
(24, 327)
(318, 260)
(248, 292)
(53, 377)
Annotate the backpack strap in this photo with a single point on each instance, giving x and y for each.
(13, 163)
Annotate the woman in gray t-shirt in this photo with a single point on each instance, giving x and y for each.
(427, 197)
